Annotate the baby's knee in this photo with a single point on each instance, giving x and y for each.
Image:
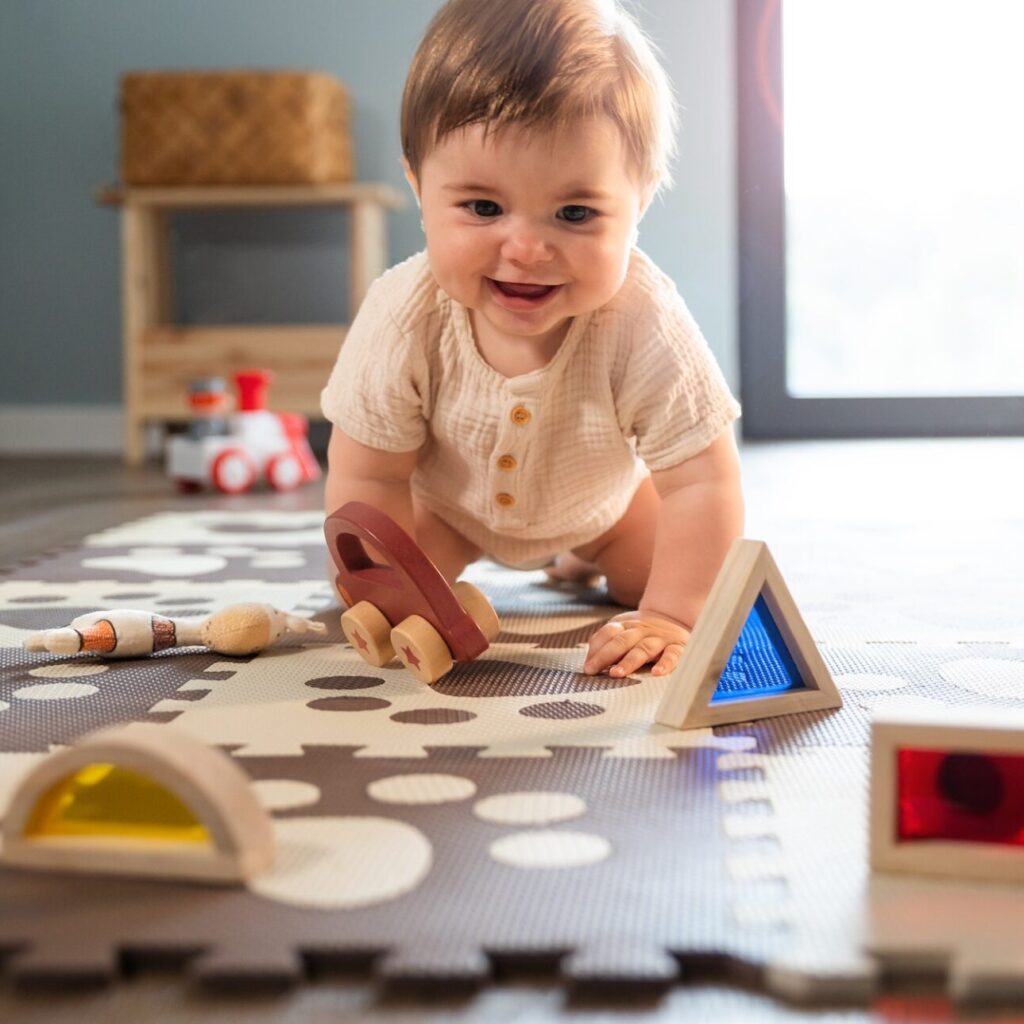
(626, 585)
(448, 549)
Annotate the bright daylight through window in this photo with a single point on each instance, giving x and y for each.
(904, 160)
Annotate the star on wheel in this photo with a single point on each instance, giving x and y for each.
(410, 657)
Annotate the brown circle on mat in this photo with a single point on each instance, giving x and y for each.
(562, 709)
(433, 716)
(345, 682)
(348, 704)
(487, 679)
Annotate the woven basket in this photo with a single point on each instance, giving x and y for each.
(234, 128)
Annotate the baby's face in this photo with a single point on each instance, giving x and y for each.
(529, 230)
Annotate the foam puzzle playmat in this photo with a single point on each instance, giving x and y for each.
(517, 812)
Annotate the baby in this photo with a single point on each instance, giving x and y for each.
(532, 387)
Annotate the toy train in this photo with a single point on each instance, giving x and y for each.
(232, 452)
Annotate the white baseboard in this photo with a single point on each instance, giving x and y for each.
(60, 429)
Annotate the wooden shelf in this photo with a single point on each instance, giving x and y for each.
(194, 197)
(216, 350)
(295, 354)
(160, 358)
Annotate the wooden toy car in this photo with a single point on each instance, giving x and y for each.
(404, 607)
(233, 452)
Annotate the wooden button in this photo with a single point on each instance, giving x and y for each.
(520, 416)
(505, 500)
(507, 463)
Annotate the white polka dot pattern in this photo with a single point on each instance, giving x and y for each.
(425, 788)
(55, 691)
(530, 808)
(284, 794)
(344, 863)
(550, 849)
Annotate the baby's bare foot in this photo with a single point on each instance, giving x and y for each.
(574, 570)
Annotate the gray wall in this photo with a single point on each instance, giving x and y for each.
(59, 259)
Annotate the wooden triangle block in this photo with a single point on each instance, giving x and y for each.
(750, 655)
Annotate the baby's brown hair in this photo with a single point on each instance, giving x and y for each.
(541, 64)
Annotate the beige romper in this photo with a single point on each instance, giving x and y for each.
(525, 467)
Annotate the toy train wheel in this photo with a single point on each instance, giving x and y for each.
(478, 608)
(285, 472)
(420, 649)
(232, 471)
(369, 633)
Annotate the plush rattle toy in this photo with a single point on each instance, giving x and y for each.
(125, 633)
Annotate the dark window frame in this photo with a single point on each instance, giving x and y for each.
(769, 411)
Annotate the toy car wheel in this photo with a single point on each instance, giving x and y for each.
(478, 608)
(369, 633)
(232, 471)
(285, 472)
(420, 649)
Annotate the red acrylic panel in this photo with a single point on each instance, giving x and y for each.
(960, 796)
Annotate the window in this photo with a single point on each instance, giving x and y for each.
(881, 217)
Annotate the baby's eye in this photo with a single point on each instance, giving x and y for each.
(577, 214)
(483, 207)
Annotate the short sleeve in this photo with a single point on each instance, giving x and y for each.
(674, 399)
(377, 389)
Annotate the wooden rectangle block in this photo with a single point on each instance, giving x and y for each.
(947, 792)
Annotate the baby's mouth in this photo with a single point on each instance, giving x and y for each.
(524, 291)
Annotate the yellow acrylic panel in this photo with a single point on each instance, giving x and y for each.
(107, 800)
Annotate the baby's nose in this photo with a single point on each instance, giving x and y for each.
(525, 243)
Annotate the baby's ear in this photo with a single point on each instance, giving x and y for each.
(411, 178)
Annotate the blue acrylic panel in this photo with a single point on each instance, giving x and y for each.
(760, 664)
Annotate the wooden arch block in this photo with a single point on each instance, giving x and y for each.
(141, 799)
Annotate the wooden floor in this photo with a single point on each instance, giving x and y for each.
(49, 502)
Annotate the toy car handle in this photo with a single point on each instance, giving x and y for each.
(346, 530)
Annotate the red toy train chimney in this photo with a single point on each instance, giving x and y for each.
(252, 389)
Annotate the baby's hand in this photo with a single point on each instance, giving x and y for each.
(631, 640)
